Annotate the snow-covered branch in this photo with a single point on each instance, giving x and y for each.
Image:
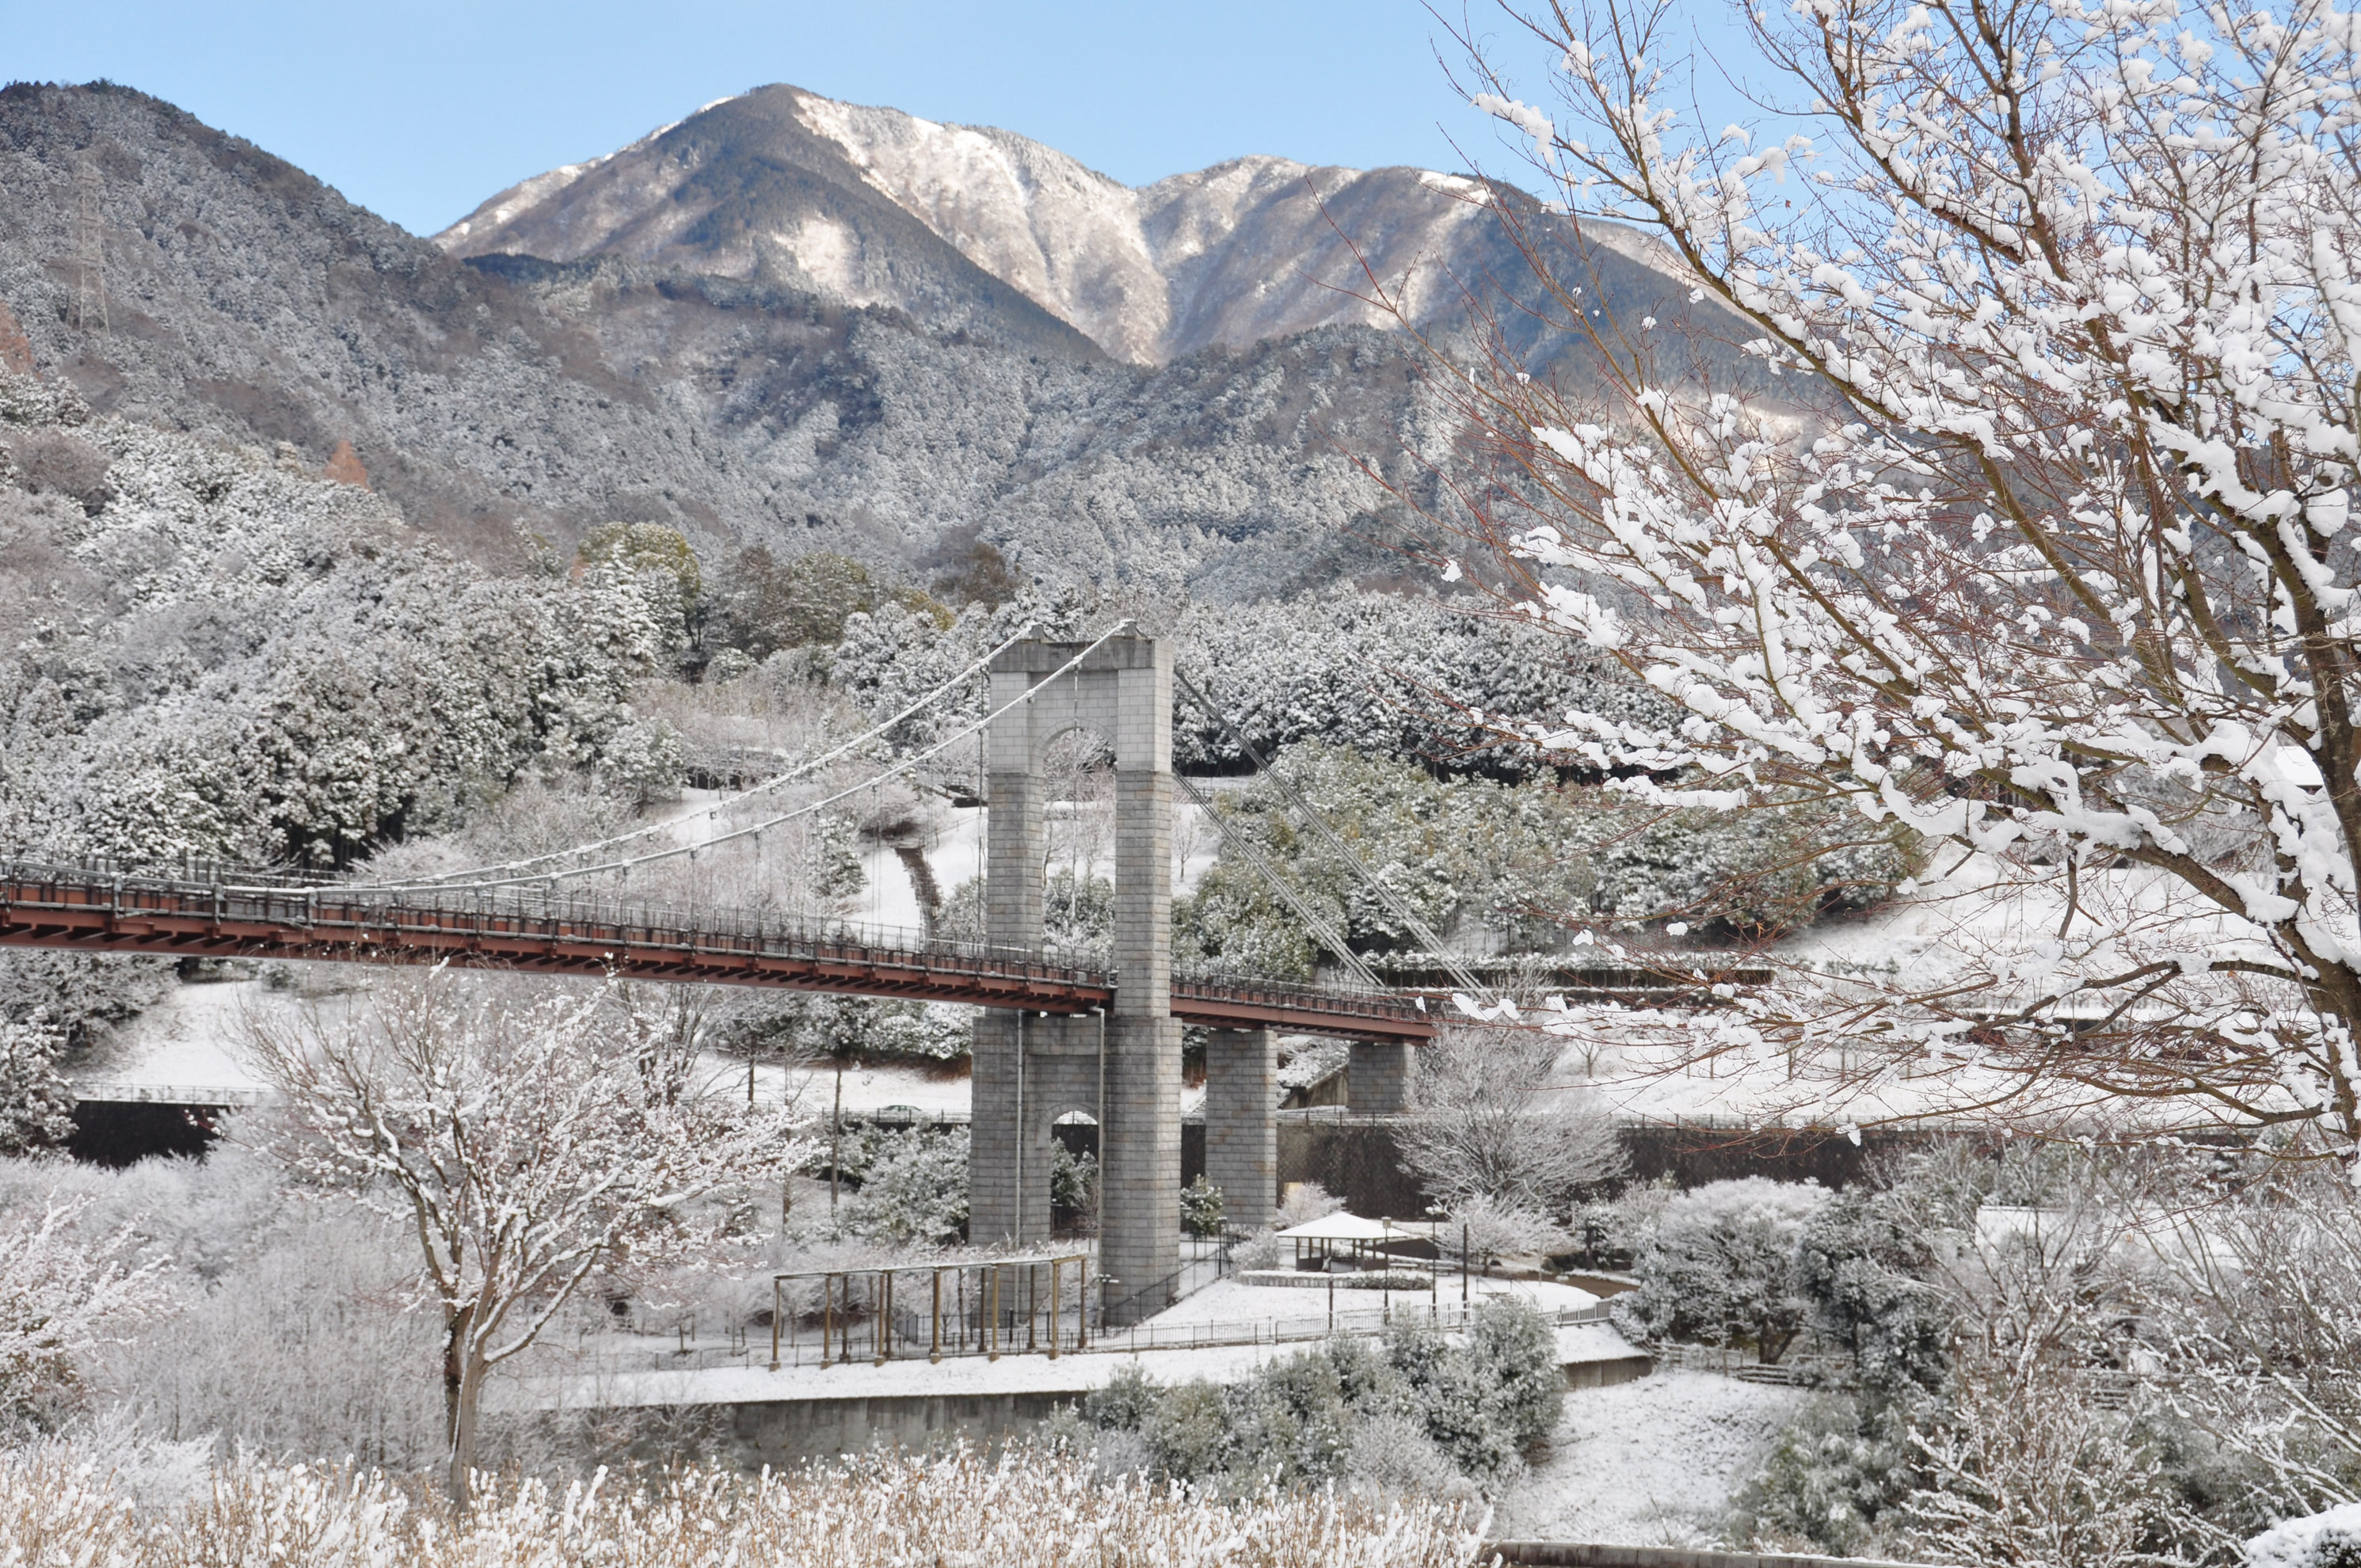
(529, 1140)
(2041, 550)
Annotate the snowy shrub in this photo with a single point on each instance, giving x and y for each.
(1863, 1260)
(36, 1102)
(1514, 1348)
(1125, 1401)
(305, 1342)
(1393, 1456)
(1456, 1401)
(1720, 1266)
(1260, 1250)
(2026, 1466)
(914, 1187)
(1201, 1208)
(1832, 1479)
(1188, 1432)
(2329, 1539)
(1304, 1202)
(1442, 1412)
(61, 1298)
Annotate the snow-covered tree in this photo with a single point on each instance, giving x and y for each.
(36, 1102)
(2260, 1323)
(2033, 535)
(62, 1296)
(1720, 1266)
(914, 1187)
(527, 1140)
(1491, 1121)
(1480, 1230)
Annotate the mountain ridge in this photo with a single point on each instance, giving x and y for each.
(496, 401)
(1255, 248)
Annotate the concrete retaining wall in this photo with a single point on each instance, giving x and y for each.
(781, 1432)
(1586, 1554)
(1606, 1373)
(784, 1432)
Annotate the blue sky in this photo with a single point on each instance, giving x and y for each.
(420, 111)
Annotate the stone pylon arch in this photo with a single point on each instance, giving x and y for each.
(1124, 1068)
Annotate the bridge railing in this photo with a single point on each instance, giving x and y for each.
(229, 892)
(243, 893)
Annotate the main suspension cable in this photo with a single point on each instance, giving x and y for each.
(1386, 895)
(757, 829)
(1319, 927)
(716, 807)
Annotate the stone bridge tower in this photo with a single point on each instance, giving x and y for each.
(1122, 1070)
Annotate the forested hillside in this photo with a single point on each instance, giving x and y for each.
(245, 303)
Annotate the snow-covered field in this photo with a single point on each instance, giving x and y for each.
(1648, 1463)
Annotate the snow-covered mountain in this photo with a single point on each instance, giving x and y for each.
(784, 185)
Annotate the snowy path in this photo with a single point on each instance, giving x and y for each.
(1648, 1463)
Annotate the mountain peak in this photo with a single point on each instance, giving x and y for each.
(786, 183)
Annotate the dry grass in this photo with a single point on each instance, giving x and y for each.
(955, 1510)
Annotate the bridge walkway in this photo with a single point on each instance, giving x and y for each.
(219, 914)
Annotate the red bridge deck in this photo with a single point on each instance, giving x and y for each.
(44, 906)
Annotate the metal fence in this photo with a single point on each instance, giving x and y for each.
(909, 1337)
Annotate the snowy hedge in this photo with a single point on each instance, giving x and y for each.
(1420, 1411)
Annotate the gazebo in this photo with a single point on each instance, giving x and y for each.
(1316, 1241)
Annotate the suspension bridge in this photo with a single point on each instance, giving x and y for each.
(1061, 1034)
(229, 912)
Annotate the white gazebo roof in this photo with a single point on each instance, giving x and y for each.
(1343, 1227)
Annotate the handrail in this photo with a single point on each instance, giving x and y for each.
(307, 914)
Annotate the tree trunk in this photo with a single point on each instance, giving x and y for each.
(836, 1139)
(463, 1385)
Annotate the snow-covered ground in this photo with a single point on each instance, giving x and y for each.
(185, 1048)
(1653, 1463)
